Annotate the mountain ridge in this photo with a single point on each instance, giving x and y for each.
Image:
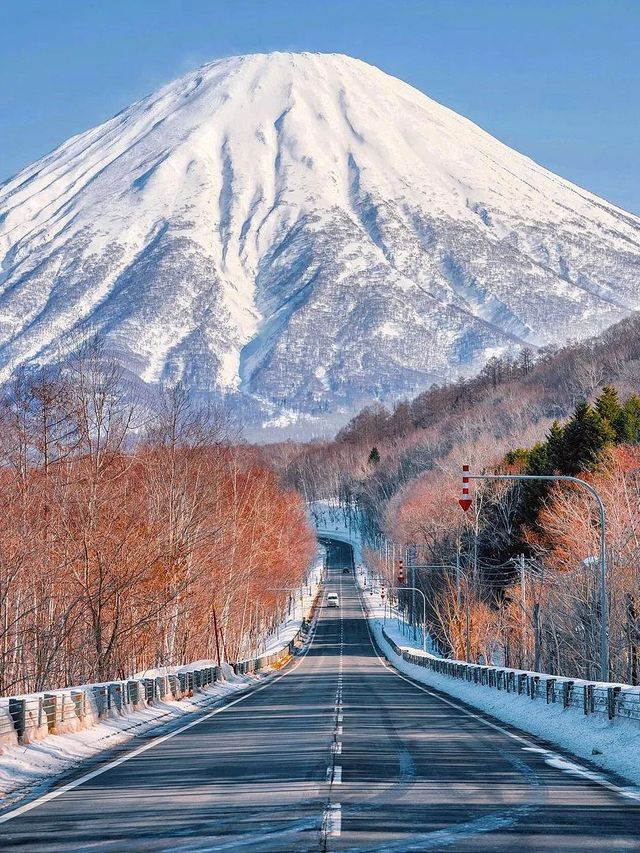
(302, 233)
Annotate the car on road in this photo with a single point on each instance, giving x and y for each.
(345, 571)
(333, 600)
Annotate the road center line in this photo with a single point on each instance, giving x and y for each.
(332, 820)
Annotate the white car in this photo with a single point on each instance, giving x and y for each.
(333, 600)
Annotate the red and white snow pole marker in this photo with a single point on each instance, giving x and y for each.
(465, 501)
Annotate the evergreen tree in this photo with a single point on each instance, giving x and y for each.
(374, 456)
(534, 492)
(608, 406)
(627, 424)
(519, 455)
(585, 438)
(555, 448)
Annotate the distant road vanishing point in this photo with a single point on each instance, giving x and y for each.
(338, 751)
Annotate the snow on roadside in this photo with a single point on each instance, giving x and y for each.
(612, 745)
(332, 518)
(28, 770)
(302, 605)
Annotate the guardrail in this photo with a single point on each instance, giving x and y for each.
(25, 719)
(610, 700)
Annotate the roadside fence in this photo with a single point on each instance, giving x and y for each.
(25, 719)
(606, 700)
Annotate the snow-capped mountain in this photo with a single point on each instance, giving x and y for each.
(303, 231)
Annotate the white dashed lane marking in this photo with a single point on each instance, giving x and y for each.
(333, 820)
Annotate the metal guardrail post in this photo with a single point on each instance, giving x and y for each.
(133, 689)
(79, 699)
(174, 686)
(612, 700)
(115, 696)
(550, 690)
(567, 693)
(100, 696)
(587, 698)
(50, 705)
(17, 712)
(149, 689)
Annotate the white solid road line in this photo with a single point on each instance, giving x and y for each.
(527, 744)
(75, 783)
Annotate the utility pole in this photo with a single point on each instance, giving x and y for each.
(523, 605)
(467, 632)
(465, 502)
(413, 594)
(458, 585)
(466, 603)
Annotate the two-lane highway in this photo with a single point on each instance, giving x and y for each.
(337, 752)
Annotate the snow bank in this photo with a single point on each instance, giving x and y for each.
(613, 745)
(51, 747)
(28, 769)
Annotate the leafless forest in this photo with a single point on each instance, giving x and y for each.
(132, 537)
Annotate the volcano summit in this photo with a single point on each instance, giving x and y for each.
(302, 233)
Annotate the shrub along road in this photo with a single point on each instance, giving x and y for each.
(337, 752)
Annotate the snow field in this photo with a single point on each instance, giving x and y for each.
(270, 213)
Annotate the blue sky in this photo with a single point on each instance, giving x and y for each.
(556, 79)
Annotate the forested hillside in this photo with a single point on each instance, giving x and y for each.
(131, 539)
(572, 411)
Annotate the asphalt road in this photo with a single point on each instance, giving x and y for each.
(338, 752)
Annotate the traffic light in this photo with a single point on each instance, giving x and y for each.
(400, 572)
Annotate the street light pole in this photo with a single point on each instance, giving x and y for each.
(604, 602)
(458, 594)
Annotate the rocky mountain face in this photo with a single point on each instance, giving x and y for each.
(302, 233)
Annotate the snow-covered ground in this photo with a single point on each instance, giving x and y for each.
(301, 607)
(612, 745)
(28, 770)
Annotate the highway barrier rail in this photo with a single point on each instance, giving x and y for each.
(590, 697)
(28, 718)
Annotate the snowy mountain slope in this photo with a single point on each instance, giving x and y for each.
(304, 231)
